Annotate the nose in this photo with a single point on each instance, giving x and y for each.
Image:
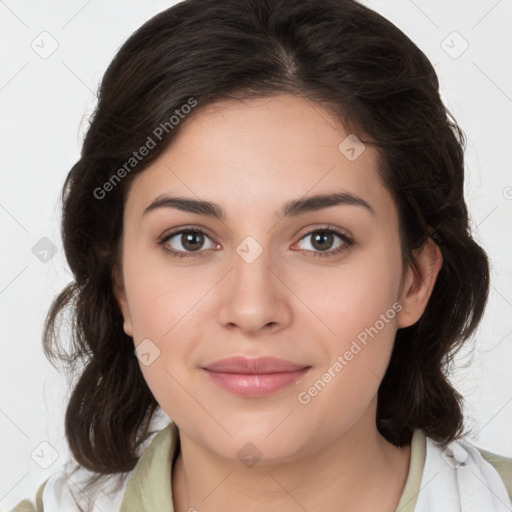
(254, 298)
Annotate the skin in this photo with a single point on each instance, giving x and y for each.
(250, 158)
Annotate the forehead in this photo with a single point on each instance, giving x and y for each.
(260, 152)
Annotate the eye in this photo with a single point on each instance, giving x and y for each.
(188, 242)
(323, 239)
(185, 242)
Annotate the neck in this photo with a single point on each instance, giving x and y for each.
(358, 471)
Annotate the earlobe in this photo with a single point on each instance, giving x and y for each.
(418, 285)
(120, 295)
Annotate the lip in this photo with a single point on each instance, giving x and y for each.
(258, 365)
(255, 377)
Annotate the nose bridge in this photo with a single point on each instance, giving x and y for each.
(253, 298)
(251, 265)
(251, 277)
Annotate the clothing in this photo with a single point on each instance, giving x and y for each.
(461, 478)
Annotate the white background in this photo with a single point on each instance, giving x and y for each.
(45, 104)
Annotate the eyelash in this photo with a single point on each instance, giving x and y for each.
(348, 242)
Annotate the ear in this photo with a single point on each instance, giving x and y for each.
(120, 295)
(418, 285)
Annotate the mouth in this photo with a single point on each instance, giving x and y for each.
(254, 377)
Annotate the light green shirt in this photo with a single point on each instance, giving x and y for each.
(149, 485)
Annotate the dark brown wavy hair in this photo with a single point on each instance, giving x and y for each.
(334, 53)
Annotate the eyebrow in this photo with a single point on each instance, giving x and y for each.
(292, 208)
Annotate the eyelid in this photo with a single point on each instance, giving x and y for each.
(325, 227)
(180, 229)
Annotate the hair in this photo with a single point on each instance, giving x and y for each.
(334, 53)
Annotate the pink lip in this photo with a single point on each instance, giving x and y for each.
(254, 377)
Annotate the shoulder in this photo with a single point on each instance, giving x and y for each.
(467, 478)
(59, 491)
(66, 491)
(502, 464)
(28, 506)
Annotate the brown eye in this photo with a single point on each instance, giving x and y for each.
(185, 242)
(192, 240)
(322, 241)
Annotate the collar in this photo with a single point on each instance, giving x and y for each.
(149, 486)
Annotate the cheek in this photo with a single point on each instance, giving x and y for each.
(364, 329)
(360, 307)
(354, 297)
(358, 354)
(160, 296)
(164, 305)
(167, 380)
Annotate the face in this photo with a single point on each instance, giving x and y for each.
(319, 284)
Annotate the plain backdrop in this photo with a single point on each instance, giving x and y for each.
(53, 55)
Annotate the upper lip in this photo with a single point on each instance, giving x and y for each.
(259, 365)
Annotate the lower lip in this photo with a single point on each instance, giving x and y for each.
(255, 385)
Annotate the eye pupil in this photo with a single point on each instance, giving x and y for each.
(192, 240)
(320, 238)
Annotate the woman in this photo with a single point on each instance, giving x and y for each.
(266, 228)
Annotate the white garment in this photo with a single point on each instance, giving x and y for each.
(459, 479)
(62, 489)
